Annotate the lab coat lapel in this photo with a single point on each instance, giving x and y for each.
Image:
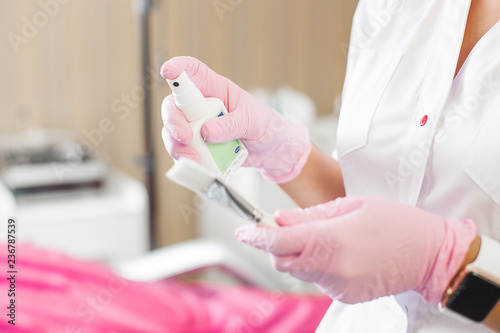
(433, 94)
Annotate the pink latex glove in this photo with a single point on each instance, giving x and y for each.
(276, 146)
(358, 248)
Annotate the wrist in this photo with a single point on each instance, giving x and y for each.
(294, 170)
(474, 292)
(455, 239)
(470, 256)
(286, 161)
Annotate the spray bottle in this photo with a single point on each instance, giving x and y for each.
(222, 158)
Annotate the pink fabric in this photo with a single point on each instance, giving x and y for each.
(276, 146)
(55, 293)
(358, 248)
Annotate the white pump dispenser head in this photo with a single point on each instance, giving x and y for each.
(188, 98)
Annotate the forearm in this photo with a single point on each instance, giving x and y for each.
(319, 181)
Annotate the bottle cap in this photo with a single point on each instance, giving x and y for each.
(188, 98)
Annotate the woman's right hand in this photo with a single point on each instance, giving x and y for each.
(276, 146)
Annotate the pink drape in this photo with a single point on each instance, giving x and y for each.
(55, 293)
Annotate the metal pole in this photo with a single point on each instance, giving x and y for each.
(144, 8)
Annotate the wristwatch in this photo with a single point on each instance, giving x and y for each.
(475, 291)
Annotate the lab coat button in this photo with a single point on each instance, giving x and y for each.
(423, 120)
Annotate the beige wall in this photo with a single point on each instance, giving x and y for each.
(76, 69)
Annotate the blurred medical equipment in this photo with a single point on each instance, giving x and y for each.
(68, 199)
(194, 256)
(40, 161)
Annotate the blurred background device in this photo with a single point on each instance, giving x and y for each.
(69, 200)
(41, 161)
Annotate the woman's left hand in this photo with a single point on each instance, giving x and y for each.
(360, 248)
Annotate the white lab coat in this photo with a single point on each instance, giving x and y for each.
(410, 132)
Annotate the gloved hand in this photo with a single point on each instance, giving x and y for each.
(277, 147)
(358, 248)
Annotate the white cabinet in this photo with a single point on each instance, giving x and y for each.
(109, 223)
